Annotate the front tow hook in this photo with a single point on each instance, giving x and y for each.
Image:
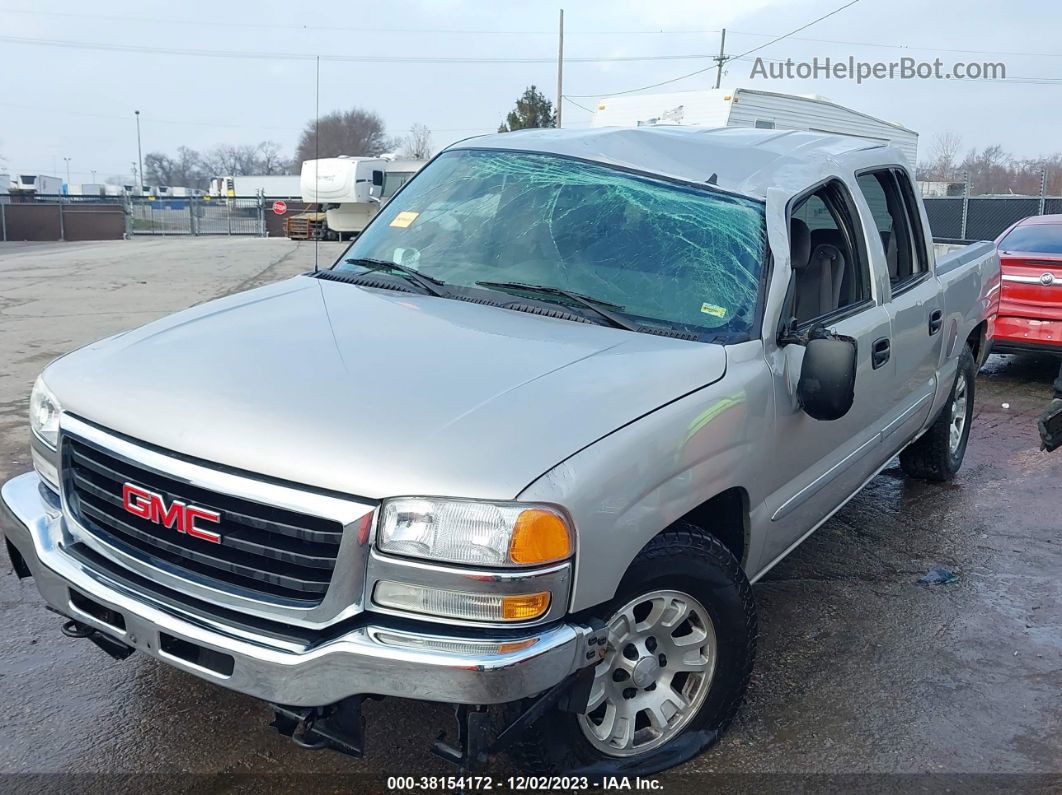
(115, 648)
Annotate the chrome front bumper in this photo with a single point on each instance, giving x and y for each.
(369, 658)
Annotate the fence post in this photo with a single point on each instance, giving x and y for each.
(1043, 190)
(191, 216)
(965, 203)
(62, 228)
(3, 220)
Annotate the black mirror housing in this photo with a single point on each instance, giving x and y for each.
(826, 388)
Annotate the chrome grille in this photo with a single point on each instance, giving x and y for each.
(264, 551)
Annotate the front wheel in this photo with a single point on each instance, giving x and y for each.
(937, 455)
(682, 640)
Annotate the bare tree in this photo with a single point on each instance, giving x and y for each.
(946, 153)
(270, 161)
(353, 132)
(194, 169)
(418, 143)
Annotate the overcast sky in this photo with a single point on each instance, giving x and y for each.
(60, 101)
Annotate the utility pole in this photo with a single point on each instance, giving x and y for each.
(139, 151)
(720, 59)
(560, 68)
(67, 159)
(93, 176)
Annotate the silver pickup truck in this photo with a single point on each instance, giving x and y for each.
(522, 449)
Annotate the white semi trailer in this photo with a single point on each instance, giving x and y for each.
(38, 184)
(273, 186)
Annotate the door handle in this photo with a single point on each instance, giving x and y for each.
(936, 321)
(880, 352)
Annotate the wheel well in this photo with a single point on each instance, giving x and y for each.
(976, 342)
(725, 516)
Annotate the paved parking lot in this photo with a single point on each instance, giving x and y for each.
(861, 670)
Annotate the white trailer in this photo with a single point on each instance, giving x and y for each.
(87, 189)
(274, 186)
(39, 184)
(397, 173)
(349, 189)
(746, 107)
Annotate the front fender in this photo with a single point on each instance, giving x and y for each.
(627, 487)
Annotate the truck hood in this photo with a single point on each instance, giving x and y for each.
(376, 393)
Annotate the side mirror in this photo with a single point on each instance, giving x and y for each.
(826, 388)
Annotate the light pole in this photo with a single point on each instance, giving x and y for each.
(139, 151)
(93, 176)
(67, 159)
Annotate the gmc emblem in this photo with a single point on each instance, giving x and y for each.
(151, 506)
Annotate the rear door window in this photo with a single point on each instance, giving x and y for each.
(897, 223)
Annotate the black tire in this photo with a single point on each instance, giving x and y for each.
(932, 456)
(683, 558)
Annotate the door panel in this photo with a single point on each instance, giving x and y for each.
(914, 305)
(822, 463)
(916, 352)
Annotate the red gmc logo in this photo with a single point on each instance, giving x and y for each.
(151, 506)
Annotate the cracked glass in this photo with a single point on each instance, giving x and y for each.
(667, 253)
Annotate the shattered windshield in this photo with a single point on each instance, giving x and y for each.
(663, 253)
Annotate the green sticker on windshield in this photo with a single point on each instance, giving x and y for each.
(712, 309)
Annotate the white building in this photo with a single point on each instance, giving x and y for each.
(745, 107)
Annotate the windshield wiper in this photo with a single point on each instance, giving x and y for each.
(427, 283)
(594, 304)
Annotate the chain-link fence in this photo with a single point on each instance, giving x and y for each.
(197, 215)
(40, 217)
(983, 217)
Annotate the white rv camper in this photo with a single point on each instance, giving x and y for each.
(348, 188)
(745, 107)
(397, 173)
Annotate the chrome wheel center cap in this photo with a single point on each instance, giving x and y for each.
(644, 673)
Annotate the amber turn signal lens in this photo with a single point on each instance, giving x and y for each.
(525, 606)
(539, 537)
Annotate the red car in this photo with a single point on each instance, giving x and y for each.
(1029, 318)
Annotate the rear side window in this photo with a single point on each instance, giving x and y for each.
(897, 224)
(1036, 238)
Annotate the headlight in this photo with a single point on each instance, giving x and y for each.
(44, 414)
(481, 533)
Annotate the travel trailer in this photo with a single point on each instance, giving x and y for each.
(745, 107)
(348, 188)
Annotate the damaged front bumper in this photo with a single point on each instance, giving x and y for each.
(362, 658)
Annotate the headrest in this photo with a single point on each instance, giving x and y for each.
(799, 243)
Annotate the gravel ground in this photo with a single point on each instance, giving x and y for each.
(861, 672)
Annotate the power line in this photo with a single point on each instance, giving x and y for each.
(797, 30)
(905, 46)
(341, 28)
(731, 58)
(293, 56)
(481, 32)
(576, 103)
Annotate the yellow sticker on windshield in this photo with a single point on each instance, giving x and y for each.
(712, 309)
(404, 219)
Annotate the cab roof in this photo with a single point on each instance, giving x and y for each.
(743, 160)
